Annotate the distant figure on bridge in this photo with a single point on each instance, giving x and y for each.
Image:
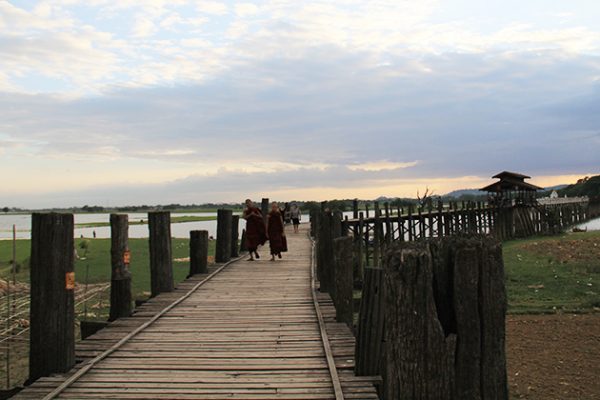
(296, 215)
(286, 214)
(275, 229)
(255, 229)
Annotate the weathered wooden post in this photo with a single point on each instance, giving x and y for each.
(161, 258)
(198, 252)
(337, 224)
(235, 235)
(369, 339)
(445, 306)
(355, 209)
(326, 257)
(264, 208)
(52, 310)
(343, 281)
(223, 249)
(120, 257)
(358, 251)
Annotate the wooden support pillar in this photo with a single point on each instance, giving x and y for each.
(377, 239)
(343, 282)
(411, 224)
(198, 252)
(223, 249)
(445, 306)
(52, 284)
(235, 235)
(355, 209)
(325, 261)
(430, 218)
(358, 251)
(120, 258)
(369, 339)
(161, 257)
(337, 224)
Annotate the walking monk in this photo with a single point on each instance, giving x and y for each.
(275, 230)
(255, 229)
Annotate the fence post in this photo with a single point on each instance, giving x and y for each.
(223, 249)
(120, 256)
(343, 283)
(52, 310)
(235, 235)
(369, 338)
(161, 259)
(445, 306)
(325, 252)
(198, 252)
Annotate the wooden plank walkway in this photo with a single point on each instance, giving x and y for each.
(250, 332)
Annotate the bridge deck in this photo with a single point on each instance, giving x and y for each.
(250, 332)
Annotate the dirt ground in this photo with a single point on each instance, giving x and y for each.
(554, 356)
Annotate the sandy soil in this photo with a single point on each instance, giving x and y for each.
(554, 356)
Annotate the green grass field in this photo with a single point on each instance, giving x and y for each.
(96, 261)
(547, 274)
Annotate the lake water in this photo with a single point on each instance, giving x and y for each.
(591, 225)
(178, 230)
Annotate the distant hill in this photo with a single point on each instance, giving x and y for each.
(464, 193)
(588, 186)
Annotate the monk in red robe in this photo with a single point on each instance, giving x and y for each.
(275, 229)
(255, 229)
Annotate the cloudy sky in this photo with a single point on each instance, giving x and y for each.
(157, 101)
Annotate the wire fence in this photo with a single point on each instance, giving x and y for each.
(91, 302)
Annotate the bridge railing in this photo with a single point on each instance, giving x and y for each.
(431, 316)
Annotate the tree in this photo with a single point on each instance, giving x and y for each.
(5, 210)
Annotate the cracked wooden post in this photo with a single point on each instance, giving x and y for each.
(161, 255)
(223, 249)
(120, 257)
(445, 306)
(198, 252)
(52, 310)
(369, 338)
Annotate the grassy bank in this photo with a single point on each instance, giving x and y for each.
(94, 257)
(547, 274)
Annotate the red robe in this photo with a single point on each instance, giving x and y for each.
(277, 240)
(255, 229)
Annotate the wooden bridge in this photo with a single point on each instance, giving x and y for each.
(245, 330)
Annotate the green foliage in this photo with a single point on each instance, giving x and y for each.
(588, 186)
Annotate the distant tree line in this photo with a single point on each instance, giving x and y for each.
(588, 186)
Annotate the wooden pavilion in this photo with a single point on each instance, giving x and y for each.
(511, 189)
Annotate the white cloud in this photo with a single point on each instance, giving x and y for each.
(382, 165)
(246, 9)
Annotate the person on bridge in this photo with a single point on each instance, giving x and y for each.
(255, 229)
(276, 232)
(296, 214)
